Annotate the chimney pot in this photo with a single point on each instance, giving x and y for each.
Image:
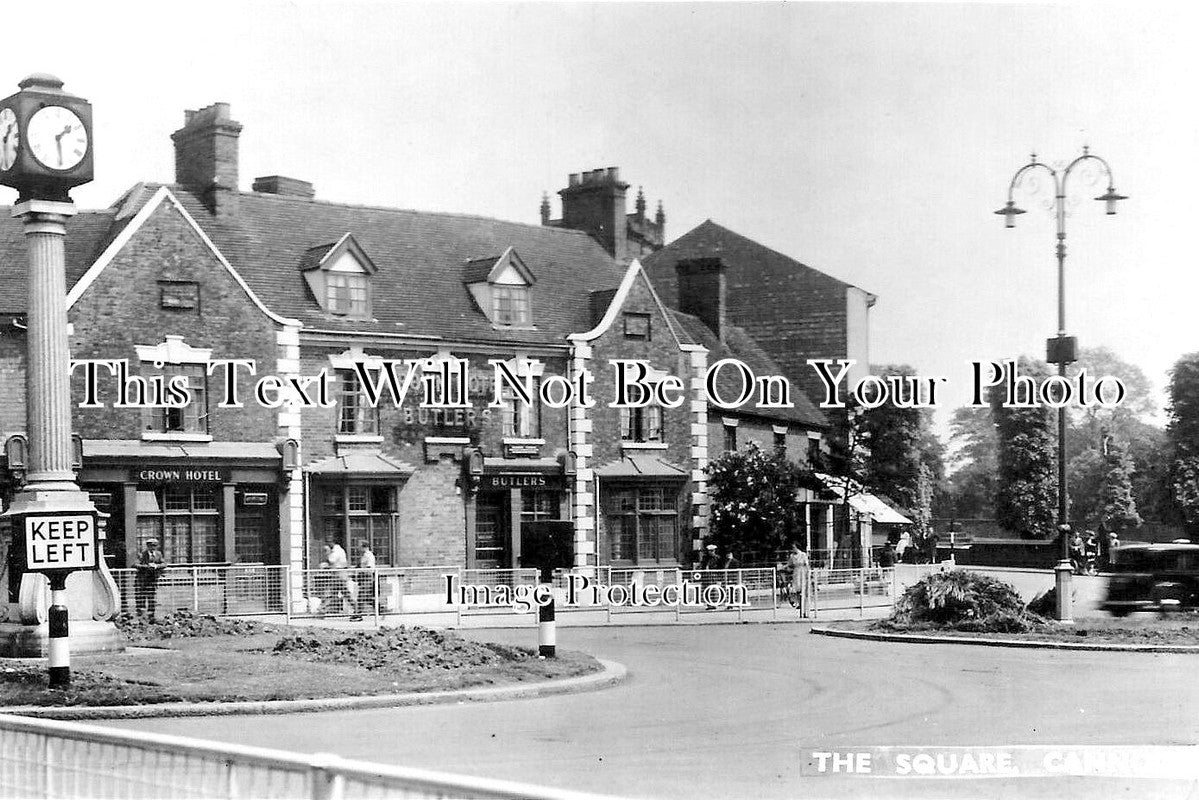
(614, 174)
(573, 180)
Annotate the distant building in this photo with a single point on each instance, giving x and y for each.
(792, 311)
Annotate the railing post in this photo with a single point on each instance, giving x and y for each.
(287, 593)
(231, 780)
(861, 591)
(375, 596)
(48, 767)
(327, 782)
(774, 593)
(740, 582)
(195, 590)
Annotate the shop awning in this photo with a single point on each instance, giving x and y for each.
(192, 451)
(864, 502)
(640, 467)
(359, 464)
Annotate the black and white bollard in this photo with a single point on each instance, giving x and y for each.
(59, 643)
(547, 634)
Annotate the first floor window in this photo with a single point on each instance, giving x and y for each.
(730, 438)
(780, 443)
(354, 414)
(641, 424)
(521, 420)
(643, 524)
(359, 513)
(193, 417)
(185, 520)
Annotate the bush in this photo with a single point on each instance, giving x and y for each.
(964, 601)
(1044, 604)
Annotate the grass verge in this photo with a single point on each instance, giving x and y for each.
(204, 659)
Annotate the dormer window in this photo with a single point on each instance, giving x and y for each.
(501, 288)
(339, 276)
(510, 305)
(347, 294)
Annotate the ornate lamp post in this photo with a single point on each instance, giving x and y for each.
(1062, 349)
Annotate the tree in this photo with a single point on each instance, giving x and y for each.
(1025, 499)
(754, 503)
(1117, 509)
(1183, 432)
(974, 481)
(902, 459)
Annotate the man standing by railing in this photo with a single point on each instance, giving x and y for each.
(150, 565)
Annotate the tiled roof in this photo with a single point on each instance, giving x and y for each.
(88, 233)
(420, 256)
(748, 264)
(740, 345)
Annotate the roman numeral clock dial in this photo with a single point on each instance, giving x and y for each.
(56, 137)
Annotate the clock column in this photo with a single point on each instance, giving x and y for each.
(53, 529)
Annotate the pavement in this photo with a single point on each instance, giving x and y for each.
(736, 711)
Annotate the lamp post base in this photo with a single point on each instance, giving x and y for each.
(1063, 586)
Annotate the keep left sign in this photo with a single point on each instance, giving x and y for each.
(60, 542)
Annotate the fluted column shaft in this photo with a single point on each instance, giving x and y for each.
(47, 377)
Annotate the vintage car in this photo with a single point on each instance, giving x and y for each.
(1154, 577)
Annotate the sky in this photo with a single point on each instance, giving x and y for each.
(870, 141)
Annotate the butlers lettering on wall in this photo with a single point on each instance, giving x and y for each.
(511, 480)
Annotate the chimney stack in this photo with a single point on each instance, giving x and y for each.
(594, 201)
(206, 156)
(702, 292)
(285, 186)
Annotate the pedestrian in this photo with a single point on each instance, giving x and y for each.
(365, 578)
(886, 556)
(150, 565)
(335, 587)
(709, 559)
(905, 541)
(801, 573)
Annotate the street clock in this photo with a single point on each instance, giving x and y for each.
(45, 140)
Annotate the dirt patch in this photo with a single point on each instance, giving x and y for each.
(185, 625)
(199, 659)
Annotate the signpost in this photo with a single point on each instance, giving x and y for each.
(57, 545)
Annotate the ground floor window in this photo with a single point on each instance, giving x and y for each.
(185, 520)
(354, 513)
(643, 524)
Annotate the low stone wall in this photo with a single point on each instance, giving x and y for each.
(1089, 590)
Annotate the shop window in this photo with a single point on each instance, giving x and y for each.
(636, 326)
(355, 416)
(643, 525)
(185, 520)
(641, 424)
(510, 305)
(191, 418)
(538, 505)
(348, 294)
(521, 420)
(354, 513)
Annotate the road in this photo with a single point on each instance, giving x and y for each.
(728, 711)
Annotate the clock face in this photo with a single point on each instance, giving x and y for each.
(8, 139)
(56, 137)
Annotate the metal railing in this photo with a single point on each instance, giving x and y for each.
(387, 591)
(51, 759)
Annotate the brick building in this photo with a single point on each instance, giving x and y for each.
(175, 281)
